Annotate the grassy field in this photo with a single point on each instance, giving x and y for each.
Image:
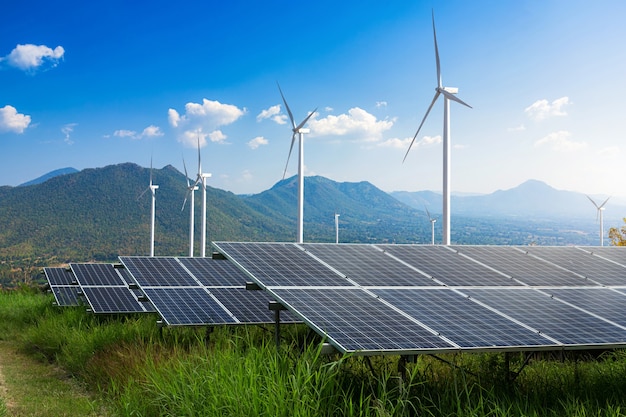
(131, 368)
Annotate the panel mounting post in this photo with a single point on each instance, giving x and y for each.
(276, 307)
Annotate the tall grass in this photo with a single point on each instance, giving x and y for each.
(141, 371)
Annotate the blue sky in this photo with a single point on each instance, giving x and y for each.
(88, 84)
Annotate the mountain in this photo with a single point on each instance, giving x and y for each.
(530, 200)
(51, 174)
(95, 214)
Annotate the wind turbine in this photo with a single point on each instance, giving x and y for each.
(152, 189)
(600, 209)
(190, 194)
(336, 227)
(201, 179)
(300, 130)
(432, 225)
(448, 94)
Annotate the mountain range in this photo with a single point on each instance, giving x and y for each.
(95, 214)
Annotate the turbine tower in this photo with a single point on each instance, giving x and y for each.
(432, 226)
(190, 194)
(600, 210)
(201, 179)
(448, 94)
(336, 227)
(152, 189)
(300, 130)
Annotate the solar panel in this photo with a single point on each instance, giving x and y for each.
(613, 253)
(103, 300)
(59, 276)
(355, 321)
(551, 317)
(526, 269)
(446, 266)
(594, 268)
(459, 319)
(604, 302)
(188, 306)
(63, 286)
(94, 274)
(367, 265)
(280, 264)
(215, 272)
(66, 295)
(158, 271)
(250, 306)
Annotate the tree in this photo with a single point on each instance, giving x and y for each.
(618, 236)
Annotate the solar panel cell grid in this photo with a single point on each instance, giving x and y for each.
(103, 300)
(551, 317)
(66, 295)
(280, 264)
(96, 274)
(187, 307)
(59, 276)
(367, 265)
(158, 271)
(595, 268)
(527, 269)
(356, 321)
(461, 320)
(249, 306)
(215, 272)
(447, 266)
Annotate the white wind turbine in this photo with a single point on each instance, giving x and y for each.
(152, 189)
(300, 130)
(432, 225)
(336, 227)
(191, 188)
(448, 94)
(600, 209)
(201, 179)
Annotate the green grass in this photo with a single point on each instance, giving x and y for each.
(139, 371)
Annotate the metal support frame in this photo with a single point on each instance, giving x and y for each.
(276, 307)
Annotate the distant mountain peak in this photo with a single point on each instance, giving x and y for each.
(51, 174)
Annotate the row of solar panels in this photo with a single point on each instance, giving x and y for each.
(183, 291)
(371, 299)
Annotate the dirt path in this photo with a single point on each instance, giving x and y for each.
(34, 389)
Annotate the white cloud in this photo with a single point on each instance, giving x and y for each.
(30, 57)
(67, 130)
(404, 143)
(200, 118)
(356, 122)
(541, 109)
(381, 104)
(519, 128)
(258, 141)
(274, 114)
(12, 121)
(149, 132)
(559, 141)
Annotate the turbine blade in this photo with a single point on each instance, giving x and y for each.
(607, 199)
(186, 176)
(427, 212)
(142, 193)
(306, 120)
(436, 53)
(452, 97)
(594, 203)
(151, 170)
(421, 124)
(293, 139)
(199, 161)
(293, 123)
(185, 200)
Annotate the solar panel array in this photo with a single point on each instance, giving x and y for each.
(107, 289)
(199, 291)
(63, 286)
(409, 299)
